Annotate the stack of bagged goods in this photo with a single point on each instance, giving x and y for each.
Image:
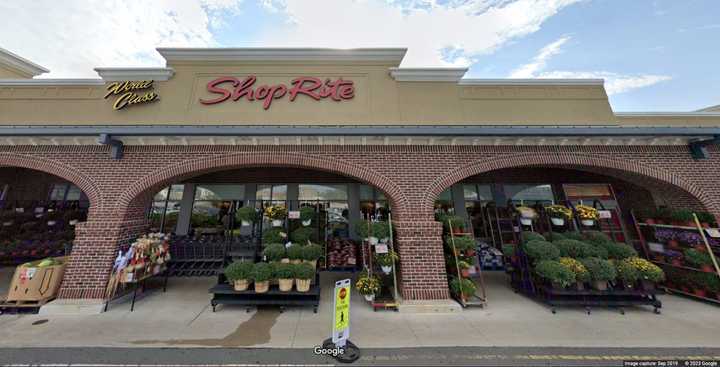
(341, 253)
(147, 256)
(490, 257)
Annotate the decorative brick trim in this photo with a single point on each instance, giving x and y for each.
(564, 159)
(194, 167)
(55, 168)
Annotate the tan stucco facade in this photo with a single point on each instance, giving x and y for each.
(379, 99)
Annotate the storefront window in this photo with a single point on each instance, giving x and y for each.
(166, 208)
(332, 199)
(373, 203)
(444, 202)
(272, 194)
(213, 203)
(530, 194)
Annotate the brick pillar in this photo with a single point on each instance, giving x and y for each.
(422, 264)
(94, 252)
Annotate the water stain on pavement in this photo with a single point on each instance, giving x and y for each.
(254, 331)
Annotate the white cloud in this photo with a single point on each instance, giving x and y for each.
(428, 28)
(73, 36)
(540, 60)
(615, 83)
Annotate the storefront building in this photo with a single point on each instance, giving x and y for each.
(346, 127)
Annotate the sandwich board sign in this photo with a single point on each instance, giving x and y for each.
(341, 313)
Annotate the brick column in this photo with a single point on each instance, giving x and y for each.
(93, 254)
(422, 264)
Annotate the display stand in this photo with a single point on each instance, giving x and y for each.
(388, 297)
(138, 284)
(473, 300)
(525, 281)
(224, 294)
(673, 266)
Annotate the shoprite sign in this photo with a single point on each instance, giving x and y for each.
(232, 88)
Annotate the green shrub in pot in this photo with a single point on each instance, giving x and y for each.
(627, 273)
(531, 236)
(274, 252)
(381, 229)
(555, 272)
(274, 235)
(302, 235)
(311, 253)
(462, 243)
(682, 216)
(619, 251)
(239, 273)
(457, 222)
(295, 253)
(304, 273)
(307, 213)
(697, 258)
(262, 275)
(247, 214)
(462, 287)
(555, 236)
(285, 274)
(582, 275)
(541, 250)
(596, 237)
(576, 249)
(601, 271)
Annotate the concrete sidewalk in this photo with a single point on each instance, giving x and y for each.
(182, 317)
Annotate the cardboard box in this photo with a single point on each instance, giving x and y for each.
(34, 283)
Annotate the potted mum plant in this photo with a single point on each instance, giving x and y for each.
(699, 260)
(276, 213)
(627, 273)
(304, 274)
(368, 286)
(239, 274)
(464, 268)
(285, 274)
(587, 214)
(682, 217)
(706, 219)
(650, 274)
(274, 252)
(274, 235)
(601, 272)
(311, 253)
(306, 215)
(462, 288)
(247, 216)
(556, 273)
(457, 223)
(527, 214)
(262, 275)
(463, 244)
(302, 235)
(386, 261)
(541, 250)
(381, 230)
(582, 275)
(295, 253)
(558, 214)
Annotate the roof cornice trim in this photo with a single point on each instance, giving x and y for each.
(534, 82)
(454, 130)
(20, 64)
(49, 82)
(124, 74)
(390, 55)
(428, 74)
(668, 114)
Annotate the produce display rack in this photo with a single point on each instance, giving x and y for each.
(224, 294)
(472, 300)
(139, 284)
(713, 252)
(18, 307)
(524, 281)
(388, 298)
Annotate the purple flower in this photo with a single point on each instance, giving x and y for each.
(690, 238)
(665, 235)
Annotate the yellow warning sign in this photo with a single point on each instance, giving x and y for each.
(342, 308)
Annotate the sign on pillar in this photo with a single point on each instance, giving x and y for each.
(341, 317)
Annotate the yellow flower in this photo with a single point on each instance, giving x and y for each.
(587, 212)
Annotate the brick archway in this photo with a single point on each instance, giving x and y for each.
(194, 167)
(54, 168)
(565, 159)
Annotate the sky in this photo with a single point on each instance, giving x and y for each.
(655, 55)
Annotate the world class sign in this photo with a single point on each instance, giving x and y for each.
(232, 88)
(131, 93)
